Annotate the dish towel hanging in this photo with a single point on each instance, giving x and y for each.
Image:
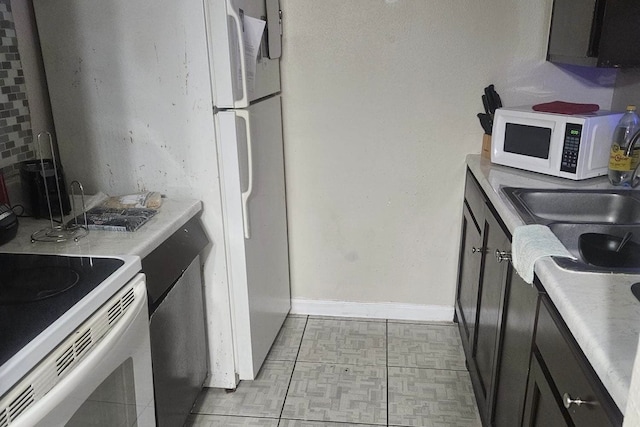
(529, 244)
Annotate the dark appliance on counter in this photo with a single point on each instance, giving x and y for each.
(176, 322)
(601, 33)
(8, 224)
(37, 184)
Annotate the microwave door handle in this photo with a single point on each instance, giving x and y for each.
(244, 114)
(244, 101)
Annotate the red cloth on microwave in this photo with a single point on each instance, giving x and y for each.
(561, 107)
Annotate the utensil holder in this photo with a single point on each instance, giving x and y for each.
(486, 146)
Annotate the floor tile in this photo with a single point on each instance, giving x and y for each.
(423, 322)
(430, 398)
(229, 421)
(301, 423)
(262, 397)
(339, 393)
(344, 342)
(287, 343)
(357, 319)
(425, 346)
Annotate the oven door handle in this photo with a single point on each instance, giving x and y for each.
(58, 405)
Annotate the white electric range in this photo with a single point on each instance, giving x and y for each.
(74, 334)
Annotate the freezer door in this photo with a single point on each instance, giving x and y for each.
(252, 176)
(239, 43)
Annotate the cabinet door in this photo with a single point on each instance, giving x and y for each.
(490, 309)
(513, 364)
(541, 406)
(468, 279)
(620, 32)
(572, 376)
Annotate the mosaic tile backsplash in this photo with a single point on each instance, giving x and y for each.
(16, 138)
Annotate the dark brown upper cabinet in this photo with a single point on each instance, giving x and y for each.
(601, 33)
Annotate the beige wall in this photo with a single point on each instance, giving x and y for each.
(380, 103)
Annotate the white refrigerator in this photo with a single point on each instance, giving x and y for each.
(183, 97)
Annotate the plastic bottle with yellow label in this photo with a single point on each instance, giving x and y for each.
(621, 166)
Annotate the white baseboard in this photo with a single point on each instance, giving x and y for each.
(373, 310)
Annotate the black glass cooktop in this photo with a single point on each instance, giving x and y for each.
(35, 290)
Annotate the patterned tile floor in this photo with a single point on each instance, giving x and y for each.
(335, 372)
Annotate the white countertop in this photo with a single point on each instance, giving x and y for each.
(172, 214)
(598, 308)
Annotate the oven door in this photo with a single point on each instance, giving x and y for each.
(99, 376)
(526, 141)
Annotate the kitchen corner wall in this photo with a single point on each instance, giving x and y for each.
(380, 102)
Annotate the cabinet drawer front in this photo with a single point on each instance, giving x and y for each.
(569, 373)
(474, 198)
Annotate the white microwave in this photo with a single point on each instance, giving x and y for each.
(568, 146)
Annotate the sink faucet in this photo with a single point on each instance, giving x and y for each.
(629, 152)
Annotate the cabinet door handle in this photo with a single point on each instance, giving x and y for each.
(568, 401)
(478, 251)
(502, 255)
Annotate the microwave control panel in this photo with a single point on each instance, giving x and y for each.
(572, 136)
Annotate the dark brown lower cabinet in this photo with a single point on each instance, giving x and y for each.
(490, 305)
(572, 384)
(521, 356)
(542, 409)
(520, 311)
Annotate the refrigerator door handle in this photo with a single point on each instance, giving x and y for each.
(244, 101)
(244, 114)
(274, 28)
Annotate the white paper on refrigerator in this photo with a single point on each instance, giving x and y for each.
(252, 38)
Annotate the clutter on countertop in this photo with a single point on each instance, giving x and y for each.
(127, 212)
(624, 154)
(562, 107)
(491, 102)
(149, 200)
(115, 219)
(8, 223)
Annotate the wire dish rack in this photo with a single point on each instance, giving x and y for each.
(60, 232)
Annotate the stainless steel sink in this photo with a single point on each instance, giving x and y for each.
(537, 206)
(569, 233)
(570, 213)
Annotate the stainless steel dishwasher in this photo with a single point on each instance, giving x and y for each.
(177, 325)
